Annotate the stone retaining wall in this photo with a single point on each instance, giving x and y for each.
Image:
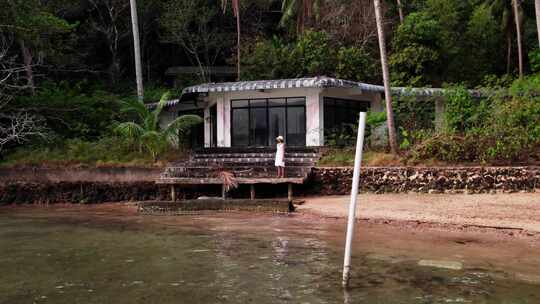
(91, 192)
(336, 181)
(127, 186)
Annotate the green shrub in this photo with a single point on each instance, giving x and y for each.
(311, 54)
(502, 129)
(106, 150)
(461, 111)
(72, 111)
(534, 59)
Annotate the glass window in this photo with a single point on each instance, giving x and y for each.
(240, 132)
(257, 122)
(329, 116)
(257, 103)
(258, 129)
(239, 103)
(296, 126)
(276, 122)
(296, 101)
(339, 115)
(276, 102)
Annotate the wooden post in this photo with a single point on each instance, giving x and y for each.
(173, 193)
(289, 192)
(252, 191)
(223, 191)
(439, 113)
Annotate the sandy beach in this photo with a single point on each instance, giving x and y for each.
(518, 211)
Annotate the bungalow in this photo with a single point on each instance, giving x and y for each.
(241, 118)
(254, 113)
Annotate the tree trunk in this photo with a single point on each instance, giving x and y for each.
(537, 7)
(114, 70)
(400, 10)
(27, 58)
(386, 79)
(508, 51)
(238, 42)
(517, 19)
(137, 50)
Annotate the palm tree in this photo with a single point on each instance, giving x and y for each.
(517, 19)
(146, 131)
(304, 10)
(236, 13)
(537, 8)
(386, 79)
(400, 10)
(504, 9)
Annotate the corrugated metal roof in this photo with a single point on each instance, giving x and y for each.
(306, 82)
(211, 70)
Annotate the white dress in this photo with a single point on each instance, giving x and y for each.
(280, 155)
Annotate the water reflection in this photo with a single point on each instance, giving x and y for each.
(55, 262)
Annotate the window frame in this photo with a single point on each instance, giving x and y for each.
(266, 106)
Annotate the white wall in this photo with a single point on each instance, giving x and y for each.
(314, 110)
(313, 115)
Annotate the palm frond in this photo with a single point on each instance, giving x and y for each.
(134, 106)
(228, 179)
(129, 129)
(182, 124)
(151, 136)
(288, 10)
(161, 104)
(150, 122)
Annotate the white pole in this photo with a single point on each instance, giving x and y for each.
(136, 49)
(354, 194)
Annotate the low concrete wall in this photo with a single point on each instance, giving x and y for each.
(56, 175)
(131, 184)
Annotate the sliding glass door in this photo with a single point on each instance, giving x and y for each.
(257, 122)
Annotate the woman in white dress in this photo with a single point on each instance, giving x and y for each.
(280, 157)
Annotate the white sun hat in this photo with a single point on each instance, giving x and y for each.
(279, 138)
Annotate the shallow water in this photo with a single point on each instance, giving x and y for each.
(74, 259)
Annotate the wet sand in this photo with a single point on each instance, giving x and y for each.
(514, 214)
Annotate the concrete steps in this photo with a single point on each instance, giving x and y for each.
(243, 163)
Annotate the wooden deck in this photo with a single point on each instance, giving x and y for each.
(219, 181)
(248, 166)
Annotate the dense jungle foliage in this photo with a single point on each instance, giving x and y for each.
(67, 72)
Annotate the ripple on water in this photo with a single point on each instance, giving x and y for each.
(212, 265)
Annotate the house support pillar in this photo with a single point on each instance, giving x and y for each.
(173, 193)
(439, 113)
(289, 192)
(252, 191)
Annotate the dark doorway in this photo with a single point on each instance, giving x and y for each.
(213, 126)
(195, 136)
